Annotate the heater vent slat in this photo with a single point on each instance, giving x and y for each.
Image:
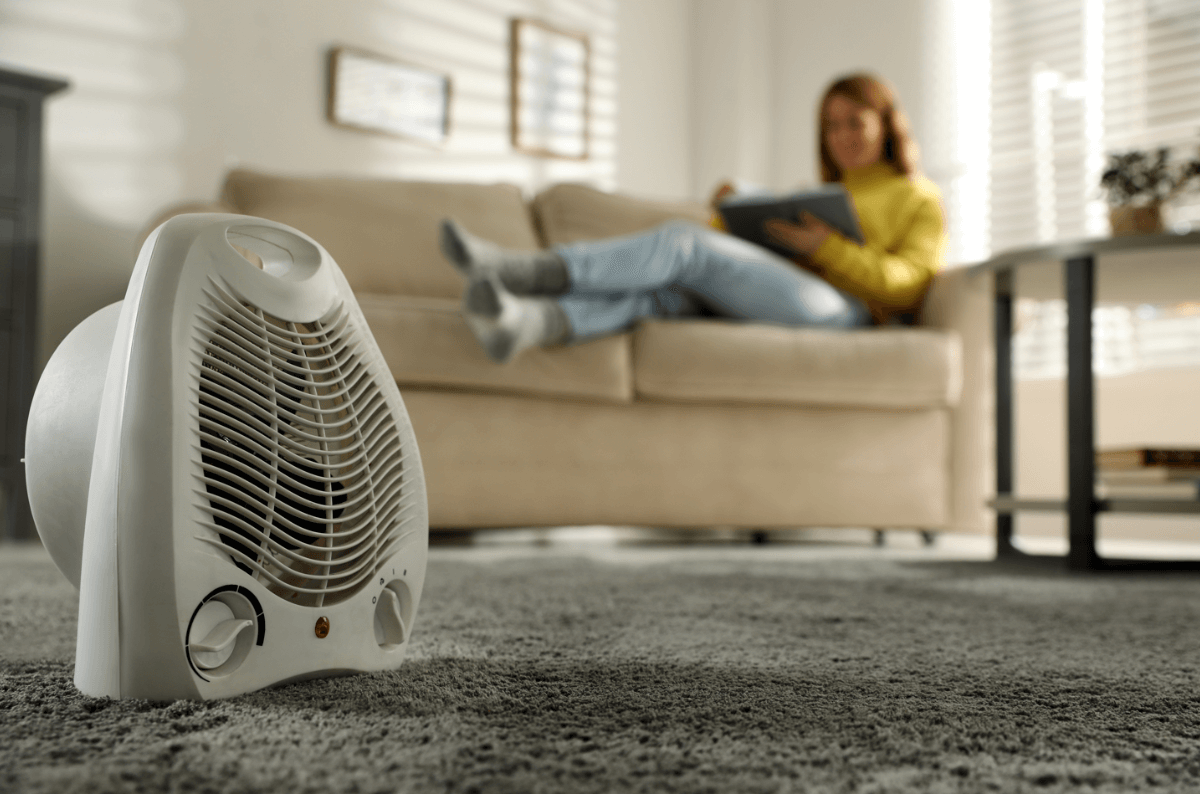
(261, 348)
(222, 465)
(289, 397)
(293, 548)
(283, 582)
(285, 468)
(285, 463)
(272, 575)
(283, 391)
(236, 309)
(299, 463)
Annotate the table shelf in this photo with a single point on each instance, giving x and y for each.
(1014, 504)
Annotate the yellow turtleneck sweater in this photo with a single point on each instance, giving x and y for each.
(901, 219)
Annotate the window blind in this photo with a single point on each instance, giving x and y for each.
(1125, 339)
(1071, 82)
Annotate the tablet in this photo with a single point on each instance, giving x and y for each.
(744, 215)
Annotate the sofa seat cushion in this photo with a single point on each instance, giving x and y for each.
(426, 343)
(384, 233)
(724, 361)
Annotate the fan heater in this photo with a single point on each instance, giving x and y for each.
(223, 466)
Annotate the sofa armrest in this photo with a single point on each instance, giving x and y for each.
(961, 301)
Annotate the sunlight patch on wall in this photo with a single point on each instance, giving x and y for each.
(956, 150)
(469, 39)
(112, 139)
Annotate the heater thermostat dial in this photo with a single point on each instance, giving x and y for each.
(393, 614)
(221, 633)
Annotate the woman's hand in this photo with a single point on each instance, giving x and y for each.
(804, 237)
(722, 192)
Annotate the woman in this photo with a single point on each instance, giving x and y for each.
(515, 300)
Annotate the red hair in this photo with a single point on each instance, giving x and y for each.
(870, 91)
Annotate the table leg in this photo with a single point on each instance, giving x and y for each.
(1002, 320)
(1081, 450)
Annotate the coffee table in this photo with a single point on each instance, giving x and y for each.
(1078, 259)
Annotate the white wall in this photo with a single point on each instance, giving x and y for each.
(760, 67)
(166, 95)
(733, 76)
(654, 131)
(819, 41)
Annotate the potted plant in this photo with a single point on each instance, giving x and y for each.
(1138, 183)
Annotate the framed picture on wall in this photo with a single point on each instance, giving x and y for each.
(549, 76)
(377, 94)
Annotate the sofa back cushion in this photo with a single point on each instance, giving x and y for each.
(567, 213)
(426, 343)
(384, 233)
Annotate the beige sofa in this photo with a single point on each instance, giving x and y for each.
(677, 423)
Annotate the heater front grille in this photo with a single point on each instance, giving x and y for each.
(301, 465)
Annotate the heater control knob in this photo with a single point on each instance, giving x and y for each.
(213, 635)
(393, 615)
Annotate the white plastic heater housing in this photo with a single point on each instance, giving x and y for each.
(254, 511)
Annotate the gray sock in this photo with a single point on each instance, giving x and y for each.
(505, 324)
(521, 272)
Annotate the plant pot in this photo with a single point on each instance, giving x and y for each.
(1136, 220)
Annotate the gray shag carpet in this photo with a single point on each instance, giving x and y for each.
(706, 670)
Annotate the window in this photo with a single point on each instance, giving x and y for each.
(1073, 80)
(1068, 82)
(1125, 339)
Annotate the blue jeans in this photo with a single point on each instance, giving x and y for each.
(680, 268)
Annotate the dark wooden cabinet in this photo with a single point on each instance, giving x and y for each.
(21, 98)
